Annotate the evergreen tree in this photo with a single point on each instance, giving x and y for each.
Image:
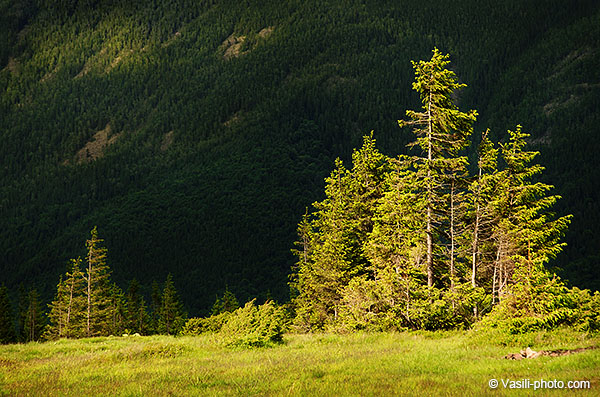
(137, 318)
(67, 310)
(75, 300)
(171, 316)
(57, 316)
(442, 131)
(456, 224)
(116, 310)
(332, 239)
(397, 244)
(227, 303)
(98, 288)
(415, 242)
(483, 194)
(35, 319)
(321, 276)
(156, 305)
(22, 310)
(7, 324)
(398, 296)
(527, 232)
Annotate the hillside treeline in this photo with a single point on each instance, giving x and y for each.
(196, 132)
(88, 303)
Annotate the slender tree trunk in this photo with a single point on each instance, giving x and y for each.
(89, 294)
(501, 270)
(452, 238)
(494, 284)
(72, 287)
(475, 246)
(60, 320)
(429, 198)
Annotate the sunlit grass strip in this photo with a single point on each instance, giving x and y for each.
(451, 363)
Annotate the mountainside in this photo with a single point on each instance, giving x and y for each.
(194, 134)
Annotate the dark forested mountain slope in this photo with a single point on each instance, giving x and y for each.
(195, 133)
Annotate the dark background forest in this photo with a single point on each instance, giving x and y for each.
(195, 134)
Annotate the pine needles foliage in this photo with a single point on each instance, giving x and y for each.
(415, 242)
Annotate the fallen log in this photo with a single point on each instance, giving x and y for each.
(529, 353)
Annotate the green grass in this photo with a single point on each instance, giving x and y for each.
(452, 363)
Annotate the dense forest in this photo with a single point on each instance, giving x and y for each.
(197, 134)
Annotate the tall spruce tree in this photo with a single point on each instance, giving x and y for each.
(67, 310)
(442, 131)
(456, 225)
(98, 287)
(483, 194)
(526, 236)
(171, 316)
(332, 239)
(137, 319)
(527, 231)
(34, 318)
(57, 314)
(397, 243)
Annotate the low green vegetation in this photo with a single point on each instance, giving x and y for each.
(430, 363)
(248, 326)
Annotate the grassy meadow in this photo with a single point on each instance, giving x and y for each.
(448, 363)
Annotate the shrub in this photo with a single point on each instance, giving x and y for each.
(212, 324)
(248, 326)
(587, 314)
(254, 326)
(374, 305)
(544, 303)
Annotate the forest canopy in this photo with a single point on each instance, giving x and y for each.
(423, 240)
(195, 133)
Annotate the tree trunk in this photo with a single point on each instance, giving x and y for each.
(89, 294)
(452, 238)
(429, 198)
(475, 246)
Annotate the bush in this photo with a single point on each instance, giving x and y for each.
(254, 326)
(248, 326)
(544, 303)
(376, 306)
(212, 324)
(586, 316)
